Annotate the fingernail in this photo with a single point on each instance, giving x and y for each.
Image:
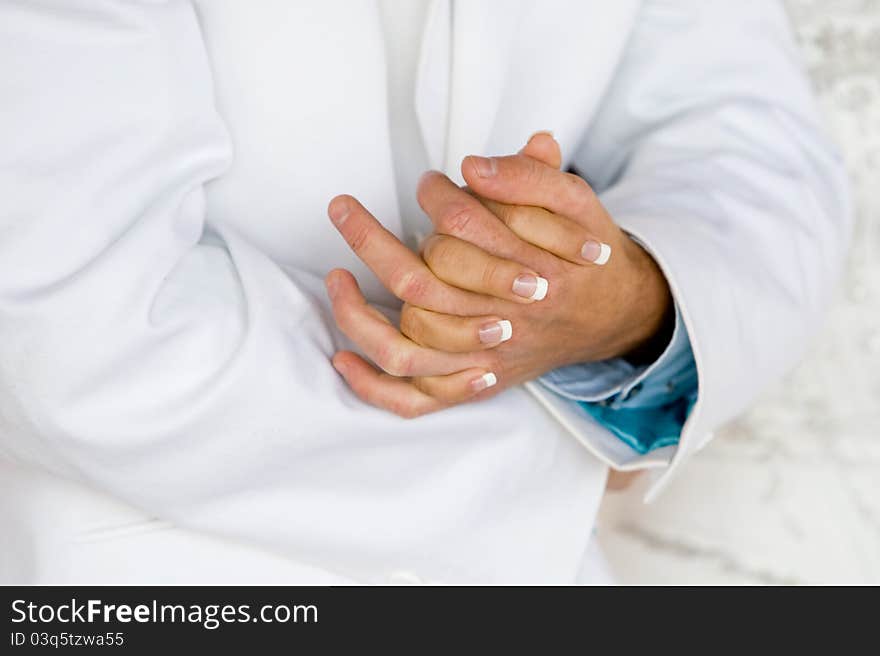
(338, 211)
(495, 333)
(483, 382)
(596, 252)
(339, 367)
(427, 174)
(529, 286)
(549, 133)
(330, 283)
(486, 167)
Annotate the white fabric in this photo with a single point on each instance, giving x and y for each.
(403, 27)
(164, 336)
(62, 532)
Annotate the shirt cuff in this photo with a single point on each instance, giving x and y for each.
(645, 408)
(617, 383)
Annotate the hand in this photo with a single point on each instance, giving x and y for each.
(538, 220)
(597, 312)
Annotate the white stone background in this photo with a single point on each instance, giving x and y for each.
(790, 493)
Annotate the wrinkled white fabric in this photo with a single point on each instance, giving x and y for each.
(164, 335)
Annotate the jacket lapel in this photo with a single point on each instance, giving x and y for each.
(461, 76)
(433, 79)
(563, 51)
(482, 38)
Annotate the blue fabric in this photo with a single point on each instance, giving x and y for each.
(644, 406)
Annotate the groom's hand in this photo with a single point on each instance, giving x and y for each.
(528, 275)
(597, 305)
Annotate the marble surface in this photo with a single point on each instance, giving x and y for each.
(790, 493)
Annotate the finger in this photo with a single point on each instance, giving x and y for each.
(554, 233)
(379, 340)
(466, 266)
(522, 180)
(446, 332)
(456, 213)
(458, 387)
(618, 480)
(381, 390)
(544, 148)
(402, 272)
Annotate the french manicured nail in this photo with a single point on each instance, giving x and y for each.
(486, 167)
(495, 333)
(529, 286)
(483, 382)
(338, 212)
(596, 252)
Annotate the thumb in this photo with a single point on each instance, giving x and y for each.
(544, 148)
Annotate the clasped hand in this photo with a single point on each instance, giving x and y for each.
(525, 272)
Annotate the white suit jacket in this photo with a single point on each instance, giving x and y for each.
(164, 337)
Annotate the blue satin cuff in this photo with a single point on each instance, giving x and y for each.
(645, 406)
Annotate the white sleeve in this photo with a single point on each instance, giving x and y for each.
(140, 345)
(709, 148)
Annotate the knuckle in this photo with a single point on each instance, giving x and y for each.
(406, 318)
(411, 323)
(576, 182)
(515, 217)
(561, 288)
(398, 363)
(494, 363)
(358, 238)
(556, 270)
(441, 255)
(419, 384)
(408, 285)
(406, 409)
(344, 315)
(532, 172)
(436, 390)
(363, 394)
(432, 249)
(490, 276)
(526, 171)
(427, 386)
(456, 220)
(426, 186)
(385, 357)
(580, 190)
(447, 396)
